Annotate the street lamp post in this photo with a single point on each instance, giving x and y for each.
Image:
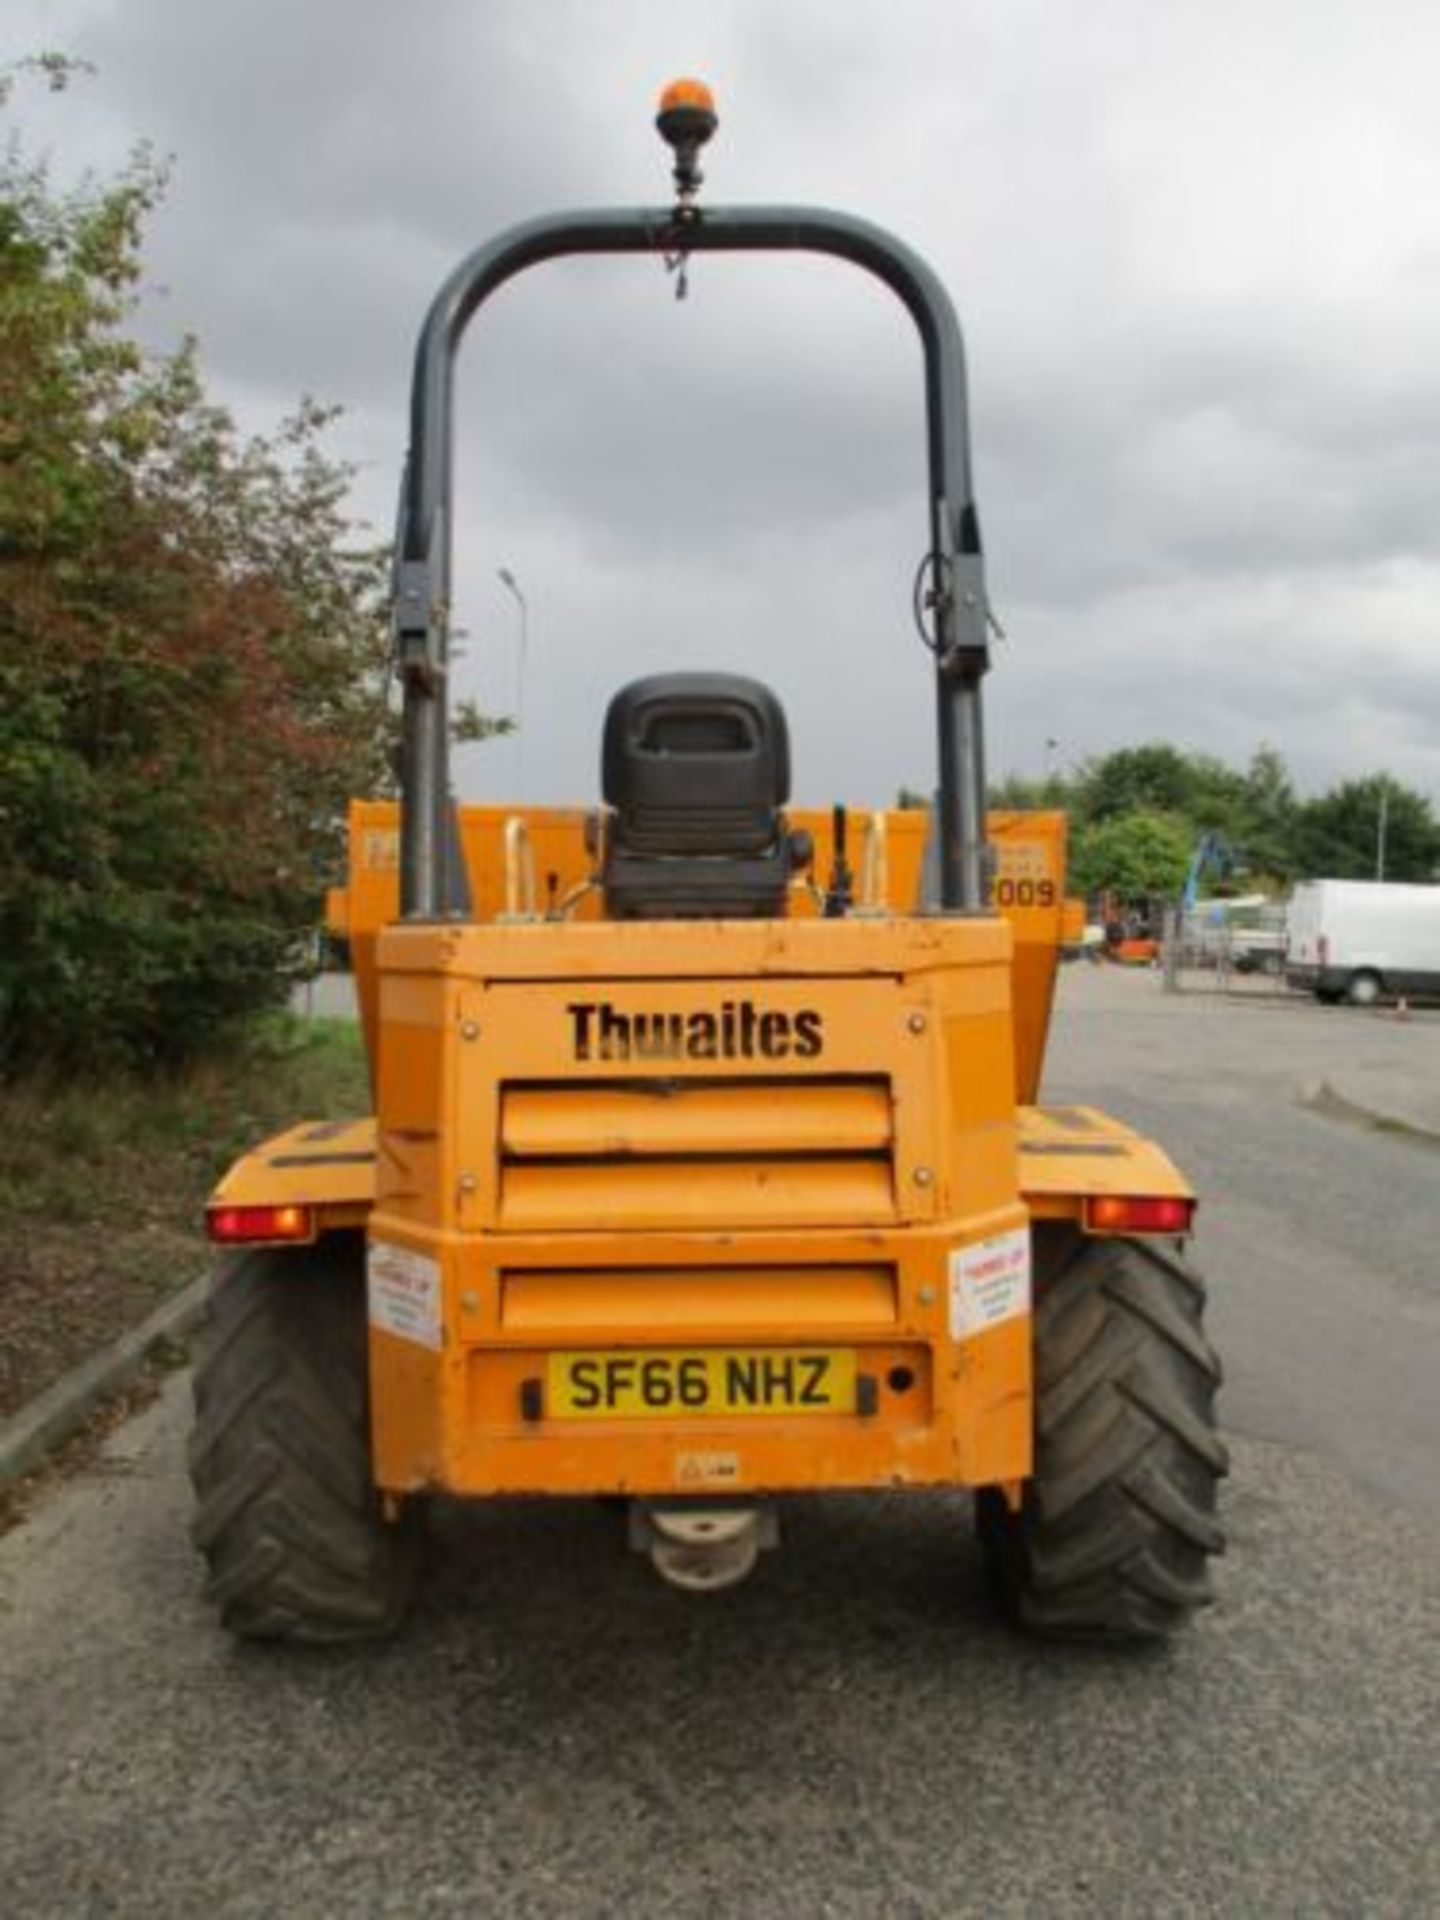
(512, 586)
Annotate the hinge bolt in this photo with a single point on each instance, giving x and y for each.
(916, 1023)
(923, 1176)
(469, 1029)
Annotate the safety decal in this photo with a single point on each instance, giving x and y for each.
(404, 1294)
(380, 850)
(706, 1469)
(989, 1282)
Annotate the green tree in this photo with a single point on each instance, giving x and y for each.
(1136, 855)
(1266, 827)
(1271, 836)
(1017, 794)
(1339, 835)
(1255, 813)
(192, 657)
(1159, 778)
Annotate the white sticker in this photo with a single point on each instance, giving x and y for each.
(989, 1282)
(380, 850)
(404, 1293)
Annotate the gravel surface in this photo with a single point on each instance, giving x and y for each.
(848, 1734)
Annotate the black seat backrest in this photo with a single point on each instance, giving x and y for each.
(696, 767)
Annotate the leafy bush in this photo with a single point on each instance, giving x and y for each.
(192, 658)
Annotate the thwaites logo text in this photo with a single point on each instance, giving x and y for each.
(735, 1030)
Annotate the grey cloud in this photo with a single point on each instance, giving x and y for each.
(1193, 250)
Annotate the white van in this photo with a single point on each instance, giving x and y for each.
(1363, 940)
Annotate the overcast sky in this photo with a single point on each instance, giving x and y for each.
(1195, 249)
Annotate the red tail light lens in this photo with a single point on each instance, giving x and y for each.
(1138, 1213)
(230, 1225)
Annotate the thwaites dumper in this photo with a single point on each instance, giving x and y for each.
(706, 1164)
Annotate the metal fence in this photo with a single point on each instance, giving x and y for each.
(1197, 956)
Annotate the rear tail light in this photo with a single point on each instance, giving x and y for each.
(1138, 1213)
(232, 1225)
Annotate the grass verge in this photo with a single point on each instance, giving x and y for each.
(102, 1184)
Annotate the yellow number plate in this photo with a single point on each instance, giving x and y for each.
(700, 1383)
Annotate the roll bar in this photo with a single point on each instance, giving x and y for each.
(430, 880)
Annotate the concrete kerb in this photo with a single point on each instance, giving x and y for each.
(1325, 1097)
(29, 1435)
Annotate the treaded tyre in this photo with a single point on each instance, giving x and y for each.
(1119, 1521)
(286, 1512)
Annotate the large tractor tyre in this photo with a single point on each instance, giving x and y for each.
(1119, 1521)
(286, 1511)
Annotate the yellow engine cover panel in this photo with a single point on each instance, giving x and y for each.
(697, 1205)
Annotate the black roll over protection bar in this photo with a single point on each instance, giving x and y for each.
(431, 884)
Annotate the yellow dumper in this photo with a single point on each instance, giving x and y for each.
(706, 1164)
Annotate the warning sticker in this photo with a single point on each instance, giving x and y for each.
(1022, 859)
(989, 1282)
(380, 850)
(404, 1293)
(707, 1469)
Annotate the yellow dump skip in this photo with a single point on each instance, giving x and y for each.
(1028, 890)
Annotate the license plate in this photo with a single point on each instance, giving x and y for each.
(700, 1383)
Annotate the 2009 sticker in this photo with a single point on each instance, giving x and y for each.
(403, 1290)
(989, 1282)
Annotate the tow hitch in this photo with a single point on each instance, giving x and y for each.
(705, 1546)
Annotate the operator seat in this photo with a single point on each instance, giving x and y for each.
(696, 770)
